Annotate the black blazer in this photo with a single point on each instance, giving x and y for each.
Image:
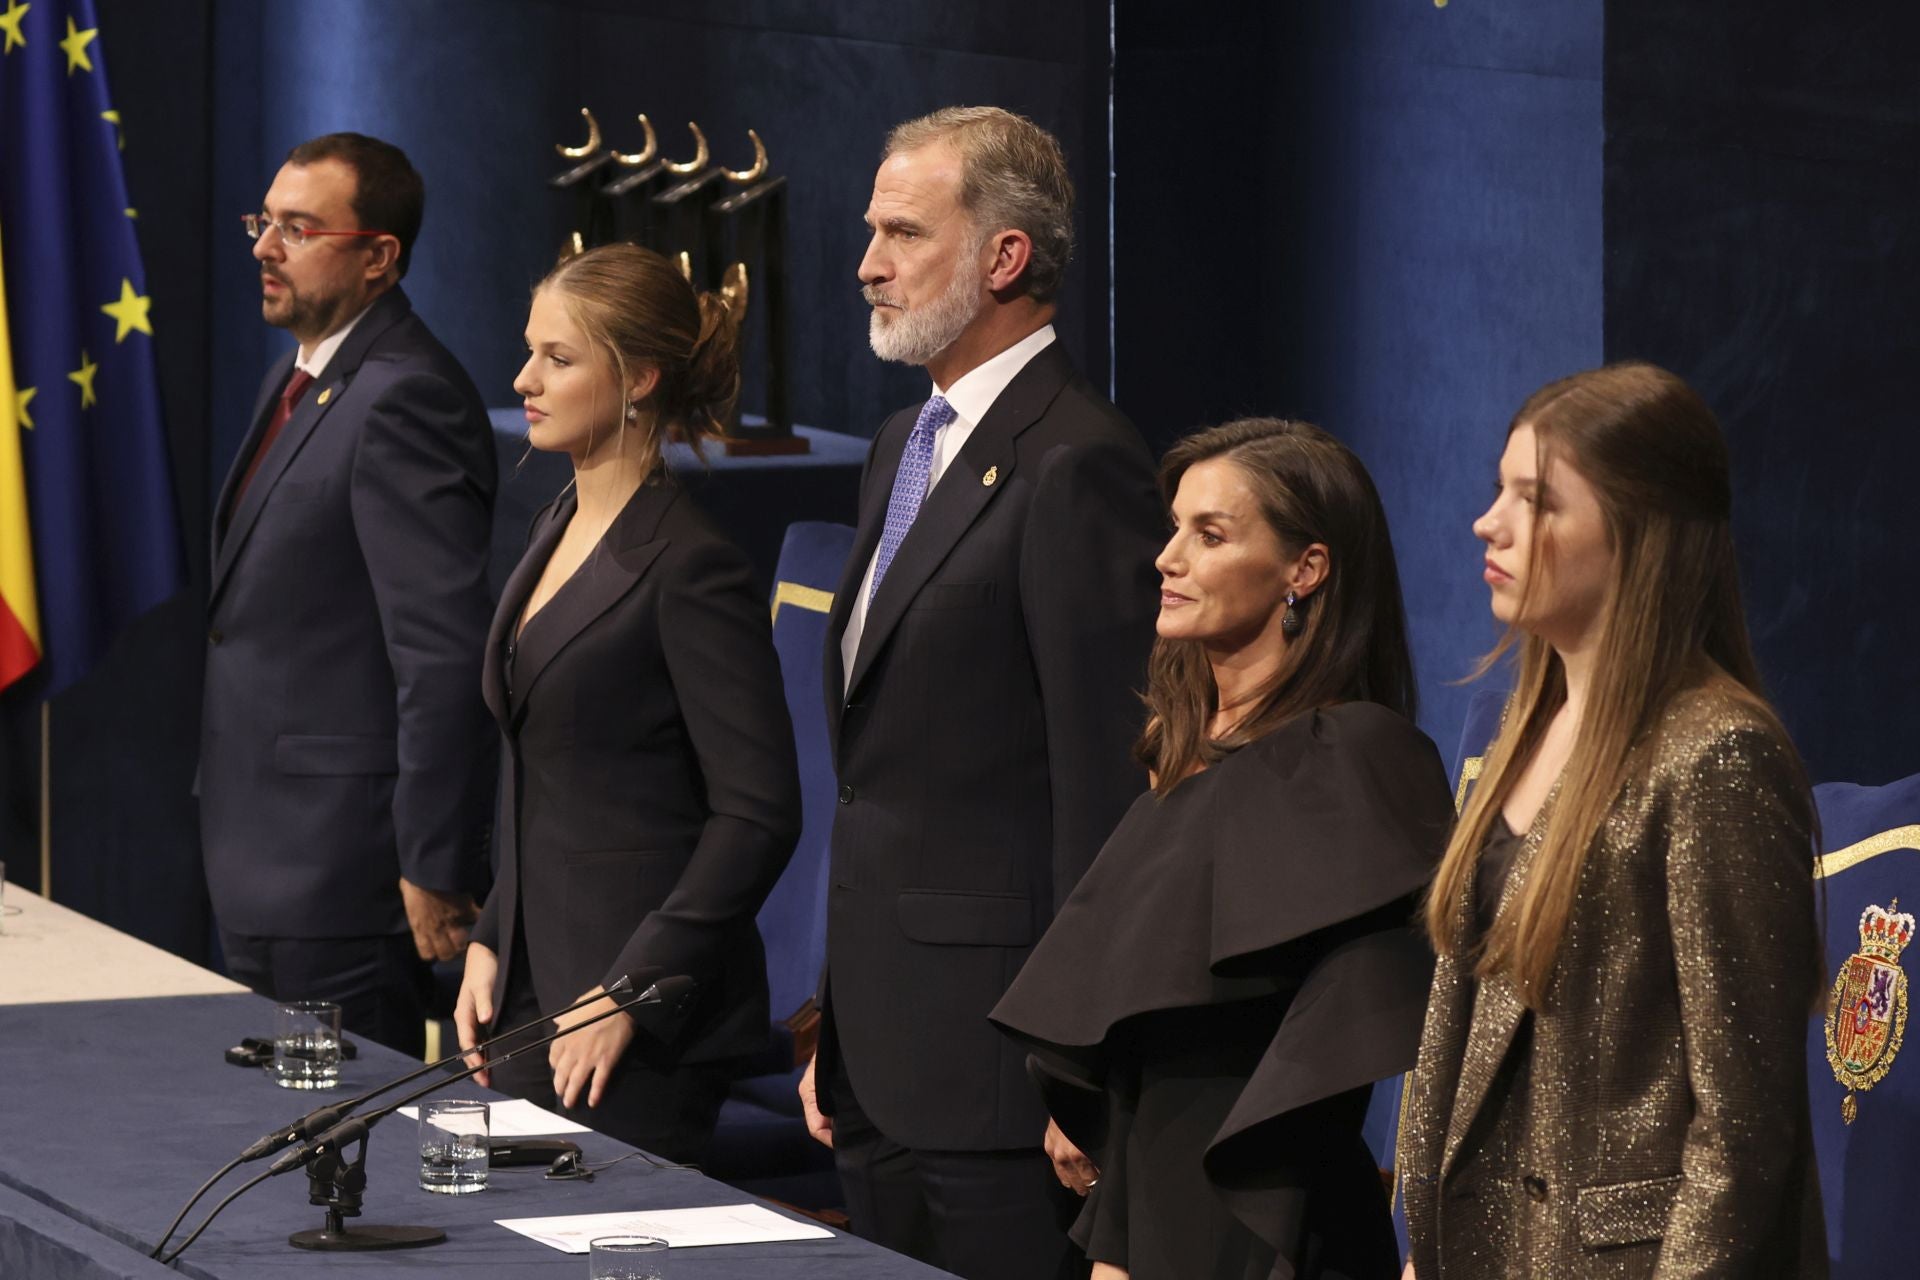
(983, 745)
(342, 741)
(651, 798)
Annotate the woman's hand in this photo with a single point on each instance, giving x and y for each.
(474, 1009)
(1107, 1271)
(1070, 1164)
(586, 1059)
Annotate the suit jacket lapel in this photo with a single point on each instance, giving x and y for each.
(387, 311)
(959, 498)
(546, 532)
(1497, 1009)
(630, 547)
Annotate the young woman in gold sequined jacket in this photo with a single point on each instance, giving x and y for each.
(1612, 1078)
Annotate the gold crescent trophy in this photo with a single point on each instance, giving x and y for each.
(590, 222)
(750, 231)
(721, 228)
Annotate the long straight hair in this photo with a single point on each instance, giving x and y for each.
(1353, 644)
(1670, 621)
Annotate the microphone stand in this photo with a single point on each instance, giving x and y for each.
(336, 1183)
(323, 1118)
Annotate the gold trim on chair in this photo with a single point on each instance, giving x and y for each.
(801, 597)
(1469, 771)
(1853, 855)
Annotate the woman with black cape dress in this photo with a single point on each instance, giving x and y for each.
(1211, 1007)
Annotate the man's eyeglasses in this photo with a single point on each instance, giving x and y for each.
(291, 234)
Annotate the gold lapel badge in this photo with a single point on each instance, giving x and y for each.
(1867, 1012)
(325, 396)
(992, 474)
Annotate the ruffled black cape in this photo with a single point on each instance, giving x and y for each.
(1293, 867)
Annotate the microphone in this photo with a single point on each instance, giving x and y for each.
(323, 1118)
(318, 1121)
(670, 999)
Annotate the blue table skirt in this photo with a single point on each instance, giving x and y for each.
(112, 1112)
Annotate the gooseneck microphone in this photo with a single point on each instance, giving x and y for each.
(323, 1118)
(675, 992)
(671, 993)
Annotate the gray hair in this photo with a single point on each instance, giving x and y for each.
(1012, 175)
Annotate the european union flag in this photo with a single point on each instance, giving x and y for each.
(91, 466)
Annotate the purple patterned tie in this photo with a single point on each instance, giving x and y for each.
(910, 484)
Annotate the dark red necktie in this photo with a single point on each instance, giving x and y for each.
(296, 387)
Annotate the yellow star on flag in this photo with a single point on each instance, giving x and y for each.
(84, 377)
(76, 47)
(130, 312)
(119, 134)
(23, 396)
(10, 25)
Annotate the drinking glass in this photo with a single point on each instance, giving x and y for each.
(306, 1045)
(453, 1146)
(628, 1258)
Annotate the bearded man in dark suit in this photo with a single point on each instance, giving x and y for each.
(346, 759)
(984, 648)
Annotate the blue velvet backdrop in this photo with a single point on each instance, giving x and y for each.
(1393, 218)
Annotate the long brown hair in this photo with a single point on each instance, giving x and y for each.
(637, 309)
(1670, 621)
(1353, 645)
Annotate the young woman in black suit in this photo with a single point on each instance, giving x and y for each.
(650, 795)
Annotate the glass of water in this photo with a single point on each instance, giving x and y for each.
(306, 1045)
(453, 1146)
(628, 1258)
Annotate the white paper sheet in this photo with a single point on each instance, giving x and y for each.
(518, 1118)
(680, 1228)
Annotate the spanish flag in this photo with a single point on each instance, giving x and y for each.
(19, 614)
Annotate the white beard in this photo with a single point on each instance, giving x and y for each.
(917, 336)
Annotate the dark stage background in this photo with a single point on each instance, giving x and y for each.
(1393, 218)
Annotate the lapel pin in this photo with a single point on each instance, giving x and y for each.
(992, 474)
(325, 396)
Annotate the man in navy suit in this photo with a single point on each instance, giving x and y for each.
(984, 649)
(346, 762)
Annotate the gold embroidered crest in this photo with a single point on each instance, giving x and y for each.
(1867, 1011)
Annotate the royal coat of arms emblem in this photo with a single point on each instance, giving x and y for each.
(1867, 1012)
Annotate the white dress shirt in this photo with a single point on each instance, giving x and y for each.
(971, 395)
(323, 350)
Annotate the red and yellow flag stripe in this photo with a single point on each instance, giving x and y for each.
(19, 613)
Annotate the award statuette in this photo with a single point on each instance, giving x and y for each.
(630, 188)
(677, 210)
(750, 230)
(591, 223)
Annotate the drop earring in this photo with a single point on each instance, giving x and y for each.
(633, 412)
(1291, 623)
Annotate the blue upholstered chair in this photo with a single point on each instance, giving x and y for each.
(1869, 1175)
(762, 1143)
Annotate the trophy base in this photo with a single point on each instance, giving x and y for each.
(365, 1239)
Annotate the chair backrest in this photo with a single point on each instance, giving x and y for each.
(1870, 890)
(793, 921)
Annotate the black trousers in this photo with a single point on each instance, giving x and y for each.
(380, 983)
(665, 1108)
(983, 1215)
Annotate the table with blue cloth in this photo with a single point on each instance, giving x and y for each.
(113, 1111)
(752, 498)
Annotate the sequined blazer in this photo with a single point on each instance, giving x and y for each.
(1652, 1118)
